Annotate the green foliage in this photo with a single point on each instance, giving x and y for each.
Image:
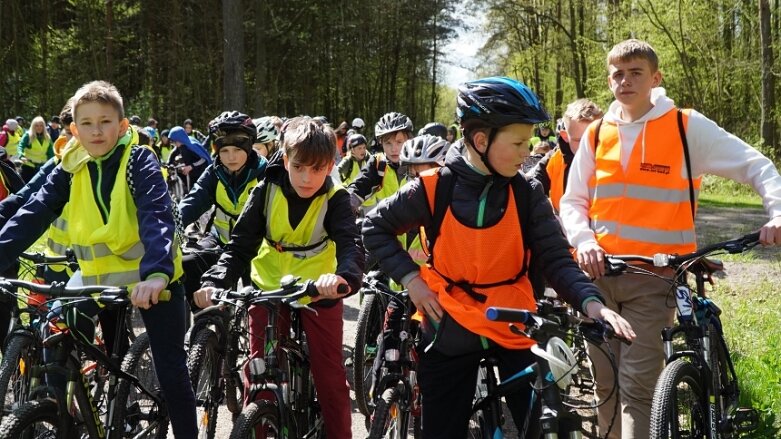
(722, 192)
(338, 59)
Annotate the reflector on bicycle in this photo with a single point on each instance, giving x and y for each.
(560, 358)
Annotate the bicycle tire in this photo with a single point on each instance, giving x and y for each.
(387, 422)
(17, 349)
(203, 365)
(17, 423)
(673, 417)
(369, 327)
(134, 363)
(259, 414)
(234, 387)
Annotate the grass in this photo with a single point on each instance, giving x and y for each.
(751, 303)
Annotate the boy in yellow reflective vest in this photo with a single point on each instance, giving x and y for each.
(298, 221)
(122, 235)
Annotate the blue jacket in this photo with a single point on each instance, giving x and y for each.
(203, 195)
(153, 204)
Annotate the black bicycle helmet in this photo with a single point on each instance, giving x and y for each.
(498, 101)
(230, 121)
(435, 129)
(391, 123)
(424, 149)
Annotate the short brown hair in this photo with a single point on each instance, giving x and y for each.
(310, 142)
(632, 49)
(98, 91)
(582, 110)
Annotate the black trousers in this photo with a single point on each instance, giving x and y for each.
(447, 387)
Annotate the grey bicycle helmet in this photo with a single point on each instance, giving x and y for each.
(391, 123)
(267, 131)
(423, 150)
(435, 129)
(230, 121)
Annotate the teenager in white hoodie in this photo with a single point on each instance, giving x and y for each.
(631, 194)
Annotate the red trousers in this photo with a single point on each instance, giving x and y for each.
(324, 334)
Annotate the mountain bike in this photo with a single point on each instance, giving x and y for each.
(697, 394)
(283, 401)
(133, 406)
(396, 394)
(23, 346)
(548, 377)
(367, 340)
(218, 341)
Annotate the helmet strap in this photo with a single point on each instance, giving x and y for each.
(484, 155)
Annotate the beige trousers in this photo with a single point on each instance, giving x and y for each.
(645, 302)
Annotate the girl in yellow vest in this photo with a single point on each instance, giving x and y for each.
(35, 148)
(480, 254)
(298, 221)
(122, 235)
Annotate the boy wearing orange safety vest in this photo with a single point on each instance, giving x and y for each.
(632, 190)
(553, 169)
(484, 223)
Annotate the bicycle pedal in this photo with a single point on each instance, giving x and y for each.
(744, 419)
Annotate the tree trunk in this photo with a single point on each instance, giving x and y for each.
(233, 55)
(109, 39)
(767, 118)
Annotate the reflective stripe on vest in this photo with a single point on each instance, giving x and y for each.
(270, 265)
(57, 239)
(555, 170)
(36, 153)
(226, 212)
(644, 209)
(480, 256)
(108, 254)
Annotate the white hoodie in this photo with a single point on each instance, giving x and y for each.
(711, 148)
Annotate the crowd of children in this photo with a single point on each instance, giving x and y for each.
(282, 205)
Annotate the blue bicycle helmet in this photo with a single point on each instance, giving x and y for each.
(498, 101)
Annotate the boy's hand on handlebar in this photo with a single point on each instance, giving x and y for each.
(770, 233)
(424, 299)
(203, 297)
(327, 287)
(596, 310)
(147, 293)
(591, 258)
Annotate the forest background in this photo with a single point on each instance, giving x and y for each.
(177, 59)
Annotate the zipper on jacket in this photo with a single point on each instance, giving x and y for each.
(98, 191)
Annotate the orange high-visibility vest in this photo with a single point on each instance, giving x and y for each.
(645, 209)
(555, 169)
(476, 256)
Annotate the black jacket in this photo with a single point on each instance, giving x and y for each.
(408, 209)
(250, 231)
(540, 171)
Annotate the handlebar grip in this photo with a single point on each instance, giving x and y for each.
(511, 315)
(343, 289)
(165, 296)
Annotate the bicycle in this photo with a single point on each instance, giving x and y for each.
(23, 346)
(697, 394)
(177, 186)
(283, 401)
(548, 377)
(130, 406)
(218, 350)
(369, 329)
(398, 398)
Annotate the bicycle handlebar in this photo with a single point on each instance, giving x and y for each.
(60, 290)
(302, 292)
(616, 264)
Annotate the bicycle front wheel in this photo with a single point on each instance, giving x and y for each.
(679, 408)
(389, 420)
(259, 419)
(370, 320)
(33, 419)
(203, 362)
(134, 410)
(20, 356)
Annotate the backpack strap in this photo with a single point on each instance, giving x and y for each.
(685, 142)
(438, 185)
(596, 135)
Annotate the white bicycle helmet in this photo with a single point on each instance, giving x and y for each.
(424, 149)
(392, 122)
(358, 123)
(267, 131)
(561, 359)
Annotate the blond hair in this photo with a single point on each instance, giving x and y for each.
(31, 131)
(581, 110)
(633, 49)
(98, 91)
